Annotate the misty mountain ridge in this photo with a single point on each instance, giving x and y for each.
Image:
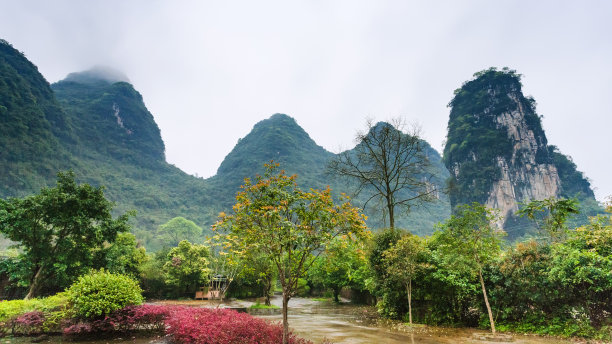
(108, 137)
(97, 124)
(98, 74)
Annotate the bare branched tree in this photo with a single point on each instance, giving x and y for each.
(390, 164)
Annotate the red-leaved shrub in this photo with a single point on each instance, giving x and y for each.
(130, 318)
(28, 323)
(222, 326)
(187, 325)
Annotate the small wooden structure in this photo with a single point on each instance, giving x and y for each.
(216, 290)
(202, 293)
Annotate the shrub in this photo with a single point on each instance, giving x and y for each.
(13, 308)
(29, 323)
(223, 326)
(131, 318)
(100, 293)
(16, 315)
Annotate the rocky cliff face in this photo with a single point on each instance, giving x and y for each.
(496, 149)
(522, 178)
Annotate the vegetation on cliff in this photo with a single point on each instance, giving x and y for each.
(475, 142)
(489, 115)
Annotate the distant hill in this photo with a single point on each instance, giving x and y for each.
(281, 139)
(118, 144)
(95, 123)
(277, 138)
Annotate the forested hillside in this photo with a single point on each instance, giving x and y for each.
(31, 125)
(95, 123)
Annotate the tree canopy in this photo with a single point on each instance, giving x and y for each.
(58, 230)
(469, 242)
(274, 216)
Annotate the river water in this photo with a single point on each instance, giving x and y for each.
(344, 323)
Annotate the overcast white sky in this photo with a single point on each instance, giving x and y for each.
(210, 70)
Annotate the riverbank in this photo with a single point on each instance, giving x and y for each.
(338, 323)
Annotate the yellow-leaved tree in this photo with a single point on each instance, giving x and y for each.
(274, 217)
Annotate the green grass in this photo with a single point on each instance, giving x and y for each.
(262, 306)
(321, 299)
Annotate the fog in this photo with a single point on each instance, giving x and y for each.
(208, 71)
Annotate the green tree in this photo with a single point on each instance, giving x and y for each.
(225, 262)
(58, 230)
(125, 256)
(275, 217)
(341, 265)
(390, 165)
(187, 267)
(468, 242)
(584, 263)
(550, 215)
(259, 270)
(177, 229)
(403, 260)
(380, 283)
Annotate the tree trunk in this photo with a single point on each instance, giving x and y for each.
(267, 288)
(336, 293)
(409, 292)
(285, 318)
(35, 285)
(391, 215)
(484, 292)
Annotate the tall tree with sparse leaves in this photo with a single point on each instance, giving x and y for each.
(389, 165)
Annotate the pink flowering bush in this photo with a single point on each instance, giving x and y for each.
(222, 326)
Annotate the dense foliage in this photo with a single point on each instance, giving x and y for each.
(124, 256)
(31, 123)
(99, 293)
(468, 243)
(187, 267)
(58, 231)
(341, 265)
(559, 287)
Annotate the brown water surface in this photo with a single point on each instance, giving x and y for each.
(346, 323)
